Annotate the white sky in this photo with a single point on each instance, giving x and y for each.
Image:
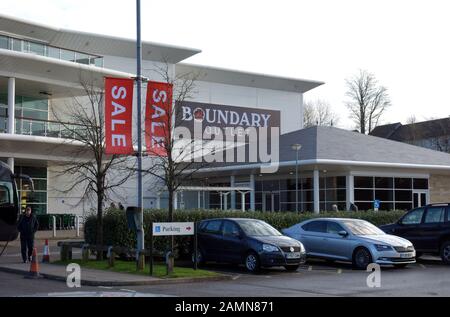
(404, 43)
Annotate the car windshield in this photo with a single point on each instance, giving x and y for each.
(6, 193)
(258, 228)
(362, 228)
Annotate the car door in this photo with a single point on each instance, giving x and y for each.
(334, 245)
(233, 244)
(409, 227)
(432, 228)
(210, 240)
(312, 237)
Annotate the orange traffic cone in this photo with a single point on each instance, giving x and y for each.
(34, 267)
(46, 257)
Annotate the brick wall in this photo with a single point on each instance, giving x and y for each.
(439, 188)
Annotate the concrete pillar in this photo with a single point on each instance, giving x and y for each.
(11, 163)
(11, 104)
(233, 193)
(316, 191)
(11, 113)
(243, 201)
(175, 200)
(199, 200)
(350, 189)
(252, 192)
(221, 200)
(158, 201)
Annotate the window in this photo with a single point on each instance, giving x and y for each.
(435, 215)
(53, 52)
(4, 42)
(403, 183)
(414, 217)
(67, 55)
(333, 227)
(17, 45)
(213, 226)
(363, 182)
(384, 182)
(420, 183)
(36, 48)
(230, 229)
(315, 226)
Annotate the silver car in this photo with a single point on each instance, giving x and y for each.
(353, 240)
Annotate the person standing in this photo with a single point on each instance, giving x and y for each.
(28, 225)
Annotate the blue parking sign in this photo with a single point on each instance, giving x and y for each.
(376, 204)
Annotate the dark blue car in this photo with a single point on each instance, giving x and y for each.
(251, 242)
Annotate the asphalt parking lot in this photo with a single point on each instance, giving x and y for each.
(428, 277)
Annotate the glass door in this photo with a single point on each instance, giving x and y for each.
(420, 198)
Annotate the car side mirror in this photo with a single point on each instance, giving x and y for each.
(343, 233)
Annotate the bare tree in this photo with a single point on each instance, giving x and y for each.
(319, 112)
(367, 100)
(96, 174)
(175, 167)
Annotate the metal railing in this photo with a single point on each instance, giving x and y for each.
(46, 128)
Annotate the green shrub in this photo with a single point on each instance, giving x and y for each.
(116, 230)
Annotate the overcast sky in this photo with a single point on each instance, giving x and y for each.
(404, 43)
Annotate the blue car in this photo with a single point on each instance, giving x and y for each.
(251, 242)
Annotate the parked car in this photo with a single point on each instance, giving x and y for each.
(428, 228)
(251, 242)
(352, 240)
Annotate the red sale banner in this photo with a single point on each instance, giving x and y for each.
(118, 115)
(158, 117)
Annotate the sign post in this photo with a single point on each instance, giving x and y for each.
(376, 205)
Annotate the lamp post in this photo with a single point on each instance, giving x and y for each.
(296, 147)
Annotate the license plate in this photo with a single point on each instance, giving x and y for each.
(407, 255)
(293, 255)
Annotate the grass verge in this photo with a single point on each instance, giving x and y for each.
(159, 269)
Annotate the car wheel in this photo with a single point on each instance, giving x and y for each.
(400, 266)
(361, 258)
(252, 263)
(445, 252)
(200, 258)
(291, 267)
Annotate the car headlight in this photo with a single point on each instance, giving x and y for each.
(270, 248)
(383, 247)
(302, 248)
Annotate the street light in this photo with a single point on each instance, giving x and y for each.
(296, 147)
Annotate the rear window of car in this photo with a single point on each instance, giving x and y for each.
(315, 226)
(213, 226)
(435, 215)
(414, 217)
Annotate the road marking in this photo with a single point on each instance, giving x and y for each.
(127, 290)
(339, 271)
(310, 268)
(422, 266)
(236, 277)
(106, 287)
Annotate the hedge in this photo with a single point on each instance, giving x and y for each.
(116, 232)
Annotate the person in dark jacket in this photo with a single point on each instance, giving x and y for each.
(28, 225)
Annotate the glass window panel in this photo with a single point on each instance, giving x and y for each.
(403, 195)
(17, 45)
(32, 103)
(4, 42)
(308, 195)
(403, 206)
(3, 125)
(341, 194)
(38, 209)
(333, 227)
(386, 206)
(364, 205)
(384, 195)
(384, 182)
(420, 183)
(98, 62)
(36, 48)
(82, 58)
(308, 207)
(53, 52)
(67, 55)
(38, 128)
(316, 226)
(34, 114)
(307, 183)
(40, 184)
(258, 186)
(341, 182)
(34, 172)
(435, 215)
(363, 182)
(364, 194)
(403, 183)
